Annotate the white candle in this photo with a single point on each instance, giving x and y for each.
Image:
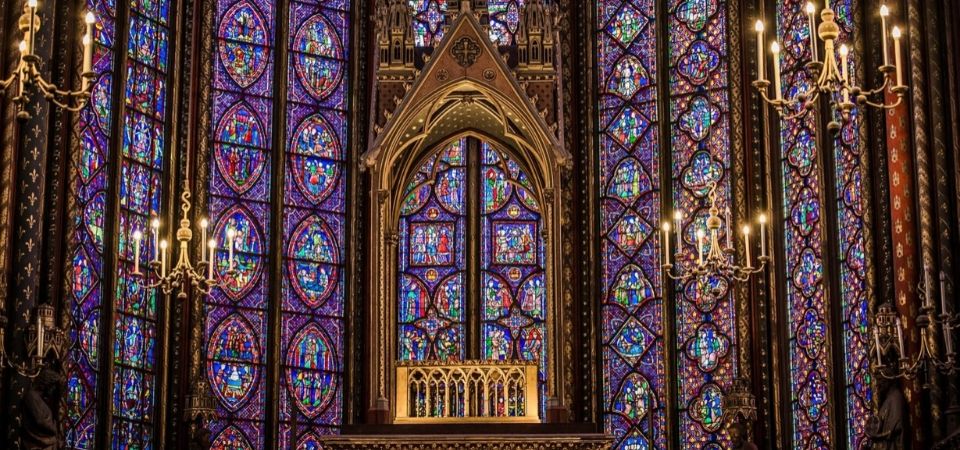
(876, 338)
(666, 242)
(746, 243)
(729, 229)
(163, 258)
(884, 12)
(948, 338)
(203, 238)
(39, 334)
(213, 257)
(32, 4)
(763, 234)
(844, 73)
(900, 337)
(759, 27)
(895, 33)
(88, 43)
(136, 251)
(700, 236)
(775, 49)
(812, 23)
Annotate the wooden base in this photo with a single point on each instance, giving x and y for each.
(571, 436)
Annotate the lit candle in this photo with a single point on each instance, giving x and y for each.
(900, 337)
(163, 258)
(759, 27)
(775, 49)
(213, 257)
(22, 78)
(39, 335)
(87, 62)
(812, 23)
(203, 238)
(88, 43)
(666, 242)
(884, 12)
(678, 218)
(700, 236)
(876, 338)
(895, 33)
(155, 228)
(137, 235)
(763, 234)
(746, 243)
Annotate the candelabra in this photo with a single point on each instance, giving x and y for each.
(830, 78)
(715, 259)
(27, 71)
(886, 321)
(42, 336)
(200, 275)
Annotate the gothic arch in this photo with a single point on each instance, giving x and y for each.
(464, 89)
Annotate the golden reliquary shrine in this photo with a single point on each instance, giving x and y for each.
(479, 224)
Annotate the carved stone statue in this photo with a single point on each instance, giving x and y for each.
(886, 428)
(739, 438)
(41, 429)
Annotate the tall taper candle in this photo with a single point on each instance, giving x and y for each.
(678, 218)
(884, 12)
(213, 257)
(812, 24)
(163, 258)
(759, 28)
(203, 238)
(775, 49)
(155, 228)
(746, 243)
(895, 33)
(39, 335)
(900, 337)
(666, 242)
(137, 236)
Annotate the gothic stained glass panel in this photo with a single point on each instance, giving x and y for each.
(428, 16)
(701, 158)
(513, 286)
(89, 192)
(432, 259)
(141, 169)
(314, 223)
(803, 240)
(633, 352)
(242, 131)
(504, 20)
(849, 167)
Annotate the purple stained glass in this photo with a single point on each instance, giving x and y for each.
(236, 323)
(428, 21)
(314, 223)
(141, 169)
(700, 141)
(512, 266)
(806, 301)
(433, 259)
(504, 20)
(632, 335)
(850, 166)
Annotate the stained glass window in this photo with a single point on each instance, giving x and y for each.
(240, 195)
(141, 172)
(428, 21)
(434, 252)
(314, 226)
(699, 112)
(803, 242)
(432, 261)
(511, 263)
(89, 191)
(504, 20)
(849, 154)
(633, 345)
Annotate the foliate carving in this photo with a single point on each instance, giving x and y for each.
(466, 51)
(489, 74)
(443, 75)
